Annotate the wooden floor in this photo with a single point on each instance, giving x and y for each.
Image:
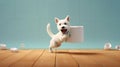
(61, 58)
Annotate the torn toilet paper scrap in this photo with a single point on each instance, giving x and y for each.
(3, 46)
(14, 49)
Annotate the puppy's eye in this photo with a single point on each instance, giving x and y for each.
(65, 23)
(60, 24)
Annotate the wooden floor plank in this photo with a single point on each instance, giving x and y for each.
(46, 60)
(5, 55)
(13, 58)
(82, 58)
(3, 51)
(113, 55)
(61, 58)
(29, 59)
(104, 60)
(64, 59)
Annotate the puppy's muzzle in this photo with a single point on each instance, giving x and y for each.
(63, 30)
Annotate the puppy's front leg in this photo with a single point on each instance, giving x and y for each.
(64, 37)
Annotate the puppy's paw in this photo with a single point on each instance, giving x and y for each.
(50, 50)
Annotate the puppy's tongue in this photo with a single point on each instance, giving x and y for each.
(63, 31)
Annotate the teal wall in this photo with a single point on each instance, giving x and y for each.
(24, 21)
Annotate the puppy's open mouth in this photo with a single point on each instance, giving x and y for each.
(64, 31)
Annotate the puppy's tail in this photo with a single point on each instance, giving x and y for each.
(49, 30)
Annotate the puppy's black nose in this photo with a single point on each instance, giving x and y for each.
(63, 27)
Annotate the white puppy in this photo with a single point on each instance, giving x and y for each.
(64, 33)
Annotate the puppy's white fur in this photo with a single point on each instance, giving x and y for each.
(64, 33)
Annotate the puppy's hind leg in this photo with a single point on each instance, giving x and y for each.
(51, 46)
(50, 49)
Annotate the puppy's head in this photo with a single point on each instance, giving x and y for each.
(63, 25)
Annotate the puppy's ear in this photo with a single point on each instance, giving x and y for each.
(67, 18)
(56, 20)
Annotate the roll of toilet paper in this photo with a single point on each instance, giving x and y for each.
(77, 34)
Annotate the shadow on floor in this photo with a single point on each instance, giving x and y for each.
(77, 53)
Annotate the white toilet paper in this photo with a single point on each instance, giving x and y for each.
(117, 47)
(14, 49)
(77, 34)
(107, 46)
(3, 46)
